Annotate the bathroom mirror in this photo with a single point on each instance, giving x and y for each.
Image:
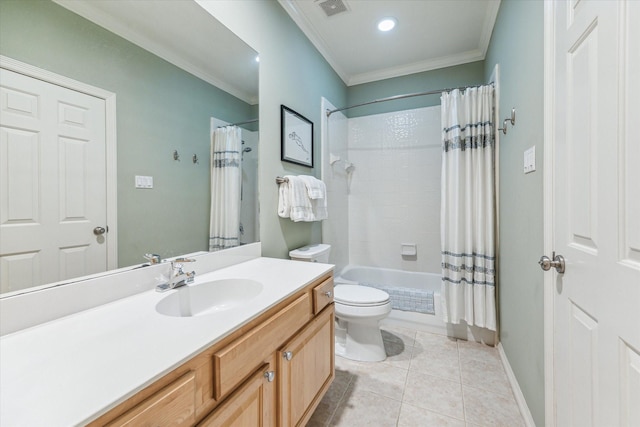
(173, 68)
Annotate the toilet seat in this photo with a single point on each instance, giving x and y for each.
(360, 296)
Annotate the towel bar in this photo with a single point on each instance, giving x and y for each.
(280, 180)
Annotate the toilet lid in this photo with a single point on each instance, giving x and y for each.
(359, 295)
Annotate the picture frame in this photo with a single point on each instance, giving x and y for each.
(296, 137)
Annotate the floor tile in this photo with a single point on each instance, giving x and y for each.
(440, 360)
(485, 376)
(489, 409)
(397, 334)
(331, 399)
(434, 394)
(426, 380)
(367, 409)
(382, 379)
(398, 355)
(413, 416)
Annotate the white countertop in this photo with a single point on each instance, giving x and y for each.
(71, 370)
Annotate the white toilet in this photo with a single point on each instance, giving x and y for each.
(359, 310)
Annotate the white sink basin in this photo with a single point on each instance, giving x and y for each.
(208, 297)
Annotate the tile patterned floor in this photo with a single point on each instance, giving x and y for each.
(427, 380)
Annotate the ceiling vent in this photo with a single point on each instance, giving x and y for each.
(333, 7)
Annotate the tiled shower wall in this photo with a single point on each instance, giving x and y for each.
(394, 191)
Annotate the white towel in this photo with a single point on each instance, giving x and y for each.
(294, 201)
(299, 201)
(315, 187)
(284, 200)
(317, 192)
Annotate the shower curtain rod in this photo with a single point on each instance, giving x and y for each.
(408, 95)
(246, 122)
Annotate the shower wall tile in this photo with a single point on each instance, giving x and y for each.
(395, 189)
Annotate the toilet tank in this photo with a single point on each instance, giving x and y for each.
(312, 253)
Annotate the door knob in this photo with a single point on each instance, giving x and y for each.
(98, 231)
(557, 262)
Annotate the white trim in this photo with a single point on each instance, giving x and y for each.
(515, 387)
(111, 23)
(417, 67)
(312, 34)
(548, 209)
(110, 140)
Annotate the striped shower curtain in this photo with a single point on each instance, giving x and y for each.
(226, 180)
(468, 207)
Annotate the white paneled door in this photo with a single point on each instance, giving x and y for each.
(596, 213)
(52, 183)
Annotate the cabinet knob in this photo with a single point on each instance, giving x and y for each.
(329, 294)
(270, 375)
(288, 355)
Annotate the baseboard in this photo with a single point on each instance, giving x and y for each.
(517, 393)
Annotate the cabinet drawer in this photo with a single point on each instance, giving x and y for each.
(322, 295)
(174, 405)
(235, 362)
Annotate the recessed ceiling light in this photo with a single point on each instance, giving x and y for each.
(387, 24)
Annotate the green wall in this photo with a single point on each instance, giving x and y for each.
(459, 75)
(160, 108)
(293, 73)
(517, 45)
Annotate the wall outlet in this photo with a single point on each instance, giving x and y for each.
(530, 160)
(144, 181)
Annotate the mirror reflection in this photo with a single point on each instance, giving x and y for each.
(162, 125)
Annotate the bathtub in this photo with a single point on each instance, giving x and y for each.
(426, 282)
(386, 278)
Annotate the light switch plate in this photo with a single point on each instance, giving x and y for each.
(530, 160)
(144, 181)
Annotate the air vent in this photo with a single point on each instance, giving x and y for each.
(333, 7)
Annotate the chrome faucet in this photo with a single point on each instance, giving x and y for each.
(177, 276)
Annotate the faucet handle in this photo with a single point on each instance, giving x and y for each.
(153, 258)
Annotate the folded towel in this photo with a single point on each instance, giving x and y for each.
(284, 200)
(294, 200)
(317, 191)
(300, 203)
(315, 187)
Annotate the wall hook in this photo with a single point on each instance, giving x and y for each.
(176, 156)
(195, 159)
(511, 119)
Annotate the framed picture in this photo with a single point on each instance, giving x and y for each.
(297, 138)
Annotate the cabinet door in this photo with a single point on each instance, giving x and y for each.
(306, 368)
(251, 405)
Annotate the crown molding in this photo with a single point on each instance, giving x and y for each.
(487, 29)
(314, 37)
(417, 67)
(106, 21)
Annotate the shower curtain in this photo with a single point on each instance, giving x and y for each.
(226, 180)
(468, 207)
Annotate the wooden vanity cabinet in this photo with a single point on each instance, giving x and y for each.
(271, 372)
(306, 370)
(252, 404)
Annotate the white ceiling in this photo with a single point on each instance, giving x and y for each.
(182, 33)
(430, 34)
